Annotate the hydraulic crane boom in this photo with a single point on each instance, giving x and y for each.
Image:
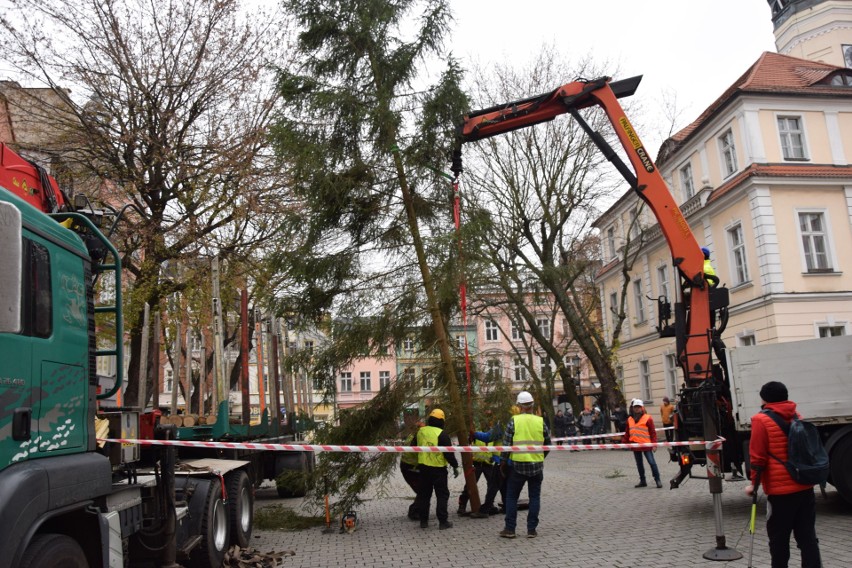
(696, 336)
(694, 329)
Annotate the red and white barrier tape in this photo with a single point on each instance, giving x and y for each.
(612, 435)
(714, 445)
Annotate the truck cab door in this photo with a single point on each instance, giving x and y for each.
(59, 332)
(16, 402)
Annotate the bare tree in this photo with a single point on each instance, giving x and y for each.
(539, 189)
(169, 108)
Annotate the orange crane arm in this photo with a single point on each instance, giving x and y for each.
(694, 341)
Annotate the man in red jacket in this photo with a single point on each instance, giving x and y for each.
(791, 506)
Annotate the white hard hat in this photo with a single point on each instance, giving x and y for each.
(524, 397)
(636, 402)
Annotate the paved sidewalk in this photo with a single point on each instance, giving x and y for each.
(591, 516)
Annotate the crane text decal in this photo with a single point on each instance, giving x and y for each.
(637, 144)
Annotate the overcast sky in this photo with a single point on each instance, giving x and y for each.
(694, 48)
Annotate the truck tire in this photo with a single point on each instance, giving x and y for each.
(214, 531)
(241, 507)
(841, 467)
(54, 551)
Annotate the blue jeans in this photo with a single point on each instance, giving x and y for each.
(513, 491)
(649, 455)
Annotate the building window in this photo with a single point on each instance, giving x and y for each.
(516, 332)
(610, 242)
(645, 380)
(543, 325)
(738, 254)
(346, 381)
(408, 346)
(729, 152)
(613, 308)
(778, 6)
(841, 78)
(309, 346)
(640, 301)
(170, 381)
(366, 382)
(814, 242)
(792, 137)
(635, 224)
(428, 381)
(663, 279)
(686, 184)
(408, 374)
(832, 330)
(384, 379)
(491, 330)
(493, 371)
(519, 371)
(746, 340)
(461, 340)
(672, 374)
(544, 366)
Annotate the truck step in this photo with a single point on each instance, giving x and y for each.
(187, 547)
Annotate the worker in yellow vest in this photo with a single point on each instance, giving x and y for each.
(433, 470)
(709, 271)
(640, 430)
(524, 429)
(481, 465)
(408, 465)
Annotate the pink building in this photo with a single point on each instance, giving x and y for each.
(508, 352)
(360, 381)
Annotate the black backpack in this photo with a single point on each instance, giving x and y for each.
(807, 460)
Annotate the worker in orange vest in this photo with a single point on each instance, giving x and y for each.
(640, 430)
(667, 416)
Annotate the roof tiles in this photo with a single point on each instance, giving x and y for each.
(771, 73)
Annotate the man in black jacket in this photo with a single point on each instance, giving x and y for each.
(433, 470)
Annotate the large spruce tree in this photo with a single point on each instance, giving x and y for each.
(365, 131)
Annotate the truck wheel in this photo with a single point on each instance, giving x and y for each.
(54, 551)
(214, 531)
(241, 509)
(841, 467)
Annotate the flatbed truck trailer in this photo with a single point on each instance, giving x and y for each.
(818, 377)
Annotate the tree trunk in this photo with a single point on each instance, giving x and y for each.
(459, 420)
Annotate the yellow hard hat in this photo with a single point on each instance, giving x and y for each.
(437, 413)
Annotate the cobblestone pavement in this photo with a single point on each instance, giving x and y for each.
(591, 516)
